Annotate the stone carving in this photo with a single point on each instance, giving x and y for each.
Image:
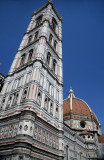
(25, 127)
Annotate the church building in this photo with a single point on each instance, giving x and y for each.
(35, 122)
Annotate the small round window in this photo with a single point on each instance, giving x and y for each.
(82, 124)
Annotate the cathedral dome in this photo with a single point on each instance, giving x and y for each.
(75, 108)
(78, 107)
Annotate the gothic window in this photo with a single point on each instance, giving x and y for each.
(36, 36)
(39, 96)
(50, 88)
(30, 55)
(54, 24)
(57, 112)
(46, 103)
(54, 65)
(48, 58)
(38, 20)
(41, 80)
(50, 39)
(51, 108)
(15, 99)
(24, 95)
(30, 39)
(22, 59)
(9, 101)
(55, 45)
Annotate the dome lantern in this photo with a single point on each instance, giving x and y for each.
(71, 93)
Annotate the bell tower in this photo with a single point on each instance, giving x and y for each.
(31, 100)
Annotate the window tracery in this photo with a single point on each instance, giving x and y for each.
(24, 95)
(48, 58)
(55, 45)
(9, 101)
(36, 35)
(50, 39)
(15, 98)
(54, 65)
(30, 55)
(39, 20)
(22, 59)
(54, 24)
(57, 112)
(29, 39)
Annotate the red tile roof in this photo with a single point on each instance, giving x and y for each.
(78, 107)
(84, 132)
(101, 138)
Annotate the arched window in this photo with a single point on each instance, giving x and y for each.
(39, 20)
(9, 101)
(30, 55)
(22, 59)
(54, 24)
(30, 39)
(57, 112)
(48, 58)
(24, 95)
(54, 65)
(39, 98)
(51, 108)
(36, 35)
(50, 39)
(55, 45)
(46, 103)
(15, 99)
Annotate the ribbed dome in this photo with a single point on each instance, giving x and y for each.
(78, 107)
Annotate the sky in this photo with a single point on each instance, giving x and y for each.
(83, 44)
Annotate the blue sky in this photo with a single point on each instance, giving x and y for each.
(83, 44)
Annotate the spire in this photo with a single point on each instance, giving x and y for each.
(50, 1)
(71, 93)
